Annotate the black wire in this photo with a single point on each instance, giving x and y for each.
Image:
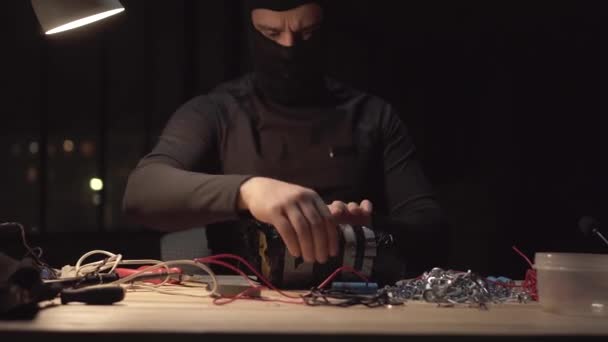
(30, 250)
(340, 298)
(95, 273)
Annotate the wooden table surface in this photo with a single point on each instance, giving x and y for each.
(153, 313)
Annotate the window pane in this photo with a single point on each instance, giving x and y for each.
(74, 105)
(20, 144)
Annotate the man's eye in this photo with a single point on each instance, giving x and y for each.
(306, 35)
(273, 34)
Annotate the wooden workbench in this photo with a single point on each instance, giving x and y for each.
(149, 314)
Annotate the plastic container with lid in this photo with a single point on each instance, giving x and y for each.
(572, 283)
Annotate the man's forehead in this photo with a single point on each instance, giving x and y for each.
(302, 17)
(278, 5)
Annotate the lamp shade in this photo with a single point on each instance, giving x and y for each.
(61, 15)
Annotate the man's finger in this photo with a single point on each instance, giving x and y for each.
(302, 229)
(354, 209)
(330, 226)
(366, 207)
(333, 239)
(337, 209)
(289, 236)
(317, 227)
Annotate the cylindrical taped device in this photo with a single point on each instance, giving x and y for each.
(361, 248)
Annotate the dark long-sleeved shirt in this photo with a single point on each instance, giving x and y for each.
(355, 147)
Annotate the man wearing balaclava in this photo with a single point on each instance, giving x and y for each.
(295, 149)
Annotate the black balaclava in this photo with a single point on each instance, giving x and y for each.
(291, 76)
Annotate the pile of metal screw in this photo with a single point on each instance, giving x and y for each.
(449, 288)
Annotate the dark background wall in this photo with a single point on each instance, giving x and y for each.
(505, 100)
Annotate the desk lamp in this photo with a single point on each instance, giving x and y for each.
(61, 15)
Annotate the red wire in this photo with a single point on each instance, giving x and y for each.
(243, 295)
(230, 299)
(523, 256)
(529, 283)
(233, 268)
(261, 277)
(338, 271)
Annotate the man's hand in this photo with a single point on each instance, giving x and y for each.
(299, 214)
(351, 213)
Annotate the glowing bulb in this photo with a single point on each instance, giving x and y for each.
(96, 184)
(85, 21)
(34, 147)
(68, 145)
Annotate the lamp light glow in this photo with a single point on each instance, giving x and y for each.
(84, 21)
(57, 16)
(96, 184)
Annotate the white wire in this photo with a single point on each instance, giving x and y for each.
(116, 263)
(111, 263)
(95, 264)
(204, 267)
(167, 292)
(113, 260)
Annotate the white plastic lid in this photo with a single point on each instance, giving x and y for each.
(571, 261)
